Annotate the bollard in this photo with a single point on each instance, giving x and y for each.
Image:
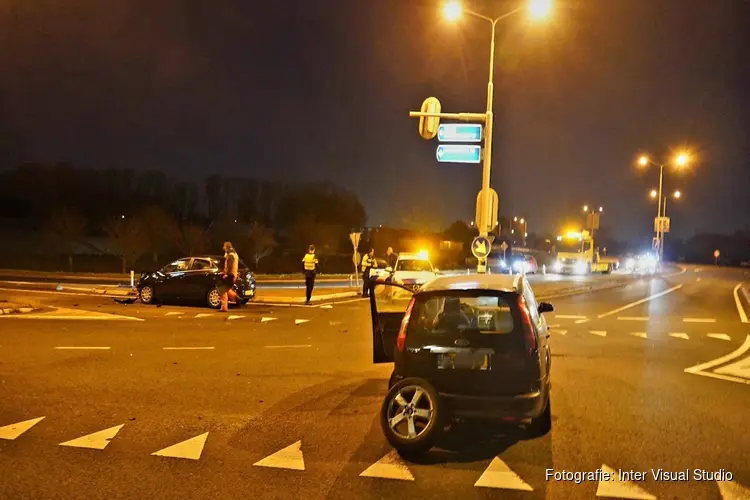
(544, 269)
(132, 279)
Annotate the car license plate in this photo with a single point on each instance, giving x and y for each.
(249, 292)
(463, 360)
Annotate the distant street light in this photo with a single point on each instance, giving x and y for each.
(677, 194)
(653, 193)
(540, 9)
(601, 209)
(452, 10)
(585, 208)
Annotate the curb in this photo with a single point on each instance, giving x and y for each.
(17, 310)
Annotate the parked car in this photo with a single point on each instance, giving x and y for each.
(413, 268)
(193, 279)
(463, 346)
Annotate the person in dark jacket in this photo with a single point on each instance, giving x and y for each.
(231, 266)
(391, 257)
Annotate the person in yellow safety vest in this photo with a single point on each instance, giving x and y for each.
(368, 262)
(310, 267)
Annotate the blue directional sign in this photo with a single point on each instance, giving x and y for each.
(460, 132)
(459, 153)
(481, 247)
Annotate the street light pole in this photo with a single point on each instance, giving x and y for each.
(659, 229)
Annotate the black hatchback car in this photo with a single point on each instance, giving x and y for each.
(193, 279)
(470, 346)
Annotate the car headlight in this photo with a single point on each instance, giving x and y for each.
(517, 265)
(557, 266)
(503, 264)
(580, 267)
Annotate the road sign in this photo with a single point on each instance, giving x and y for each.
(459, 153)
(493, 211)
(661, 224)
(460, 132)
(354, 238)
(592, 220)
(428, 125)
(503, 247)
(481, 247)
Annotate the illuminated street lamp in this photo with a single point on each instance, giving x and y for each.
(681, 160)
(592, 216)
(453, 11)
(653, 193)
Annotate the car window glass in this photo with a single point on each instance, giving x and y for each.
(200, 264)
(390, 299)
(528, 295)
(177, 266)
(414, 265)
(447, 314)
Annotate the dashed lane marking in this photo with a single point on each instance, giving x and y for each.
(12, 431)
(560, 332)
(568, 316)
(95, 441)
(632, 318)
(175, 313)
(582, 321)
(188, 348)
(391, 466)
(720, 336)
(641, 301)
(733, 491)
(81, 348)
(680, 335)
(234, 316)
(601, 333)
(61, 313)
(191, 448)
(266, 319)
(702, 369)
(642, 335)
(300, 321)
(204, 315)
(620, 488)
(286, 458)
(499, 475)
(698, 320)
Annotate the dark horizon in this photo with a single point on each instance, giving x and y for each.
(322, 92)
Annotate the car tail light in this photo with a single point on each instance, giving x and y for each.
(528, 328)
(401, 339)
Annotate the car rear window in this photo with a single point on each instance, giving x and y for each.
(413, 265)
(489, 314)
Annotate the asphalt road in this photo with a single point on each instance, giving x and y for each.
(300, 379)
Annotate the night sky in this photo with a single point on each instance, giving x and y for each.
(307, 90)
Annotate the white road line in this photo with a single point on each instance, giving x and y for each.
(642, 335)
(553, 326)
(740, 309)
(95, 441)
(326, 306)
(698, 320)
(637, 302)
(266, 319)
(680, 335)
(391, 466)
(560, 332)
(601, 333)
(292, 346)
(499, 475)
(12, 431)
(204, 315)
(567, 316)
(358, 299)
(300, 321)
(80, 348)
(620, 488)
(582, 321)
(720, 336)
(234, 316)
(700, 369)
(188, 348)
(175, 313)
(633, 318)
(733, 491)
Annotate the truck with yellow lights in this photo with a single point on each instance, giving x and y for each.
(583, 256)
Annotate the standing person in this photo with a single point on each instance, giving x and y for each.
(368, 261)
(310, 266)
(231, 266)
(391, 257)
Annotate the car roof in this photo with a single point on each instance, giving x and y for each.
(496, 282)
(411, 256)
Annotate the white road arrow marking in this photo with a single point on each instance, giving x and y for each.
(733, 491)
(391, 466)
(234, 316)
(617, 488)
(601, 333)
(680, 335)
(499, 475)
(190, 448)
(12, 431)
(720, 336)
(300, 321)
(642, 335)
(286, 458)
(266, 319)
(96, 441)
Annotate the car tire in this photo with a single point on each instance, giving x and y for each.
(213, 298)
(542, 424)
(146, 294)
(424, 418)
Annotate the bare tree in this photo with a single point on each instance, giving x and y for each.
(128, 238)
(191, 239)
(160, 228)
(261, 242)
(64, 230)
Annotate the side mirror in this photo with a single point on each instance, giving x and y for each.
(545, 307)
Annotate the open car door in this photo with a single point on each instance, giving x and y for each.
(388, 304)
